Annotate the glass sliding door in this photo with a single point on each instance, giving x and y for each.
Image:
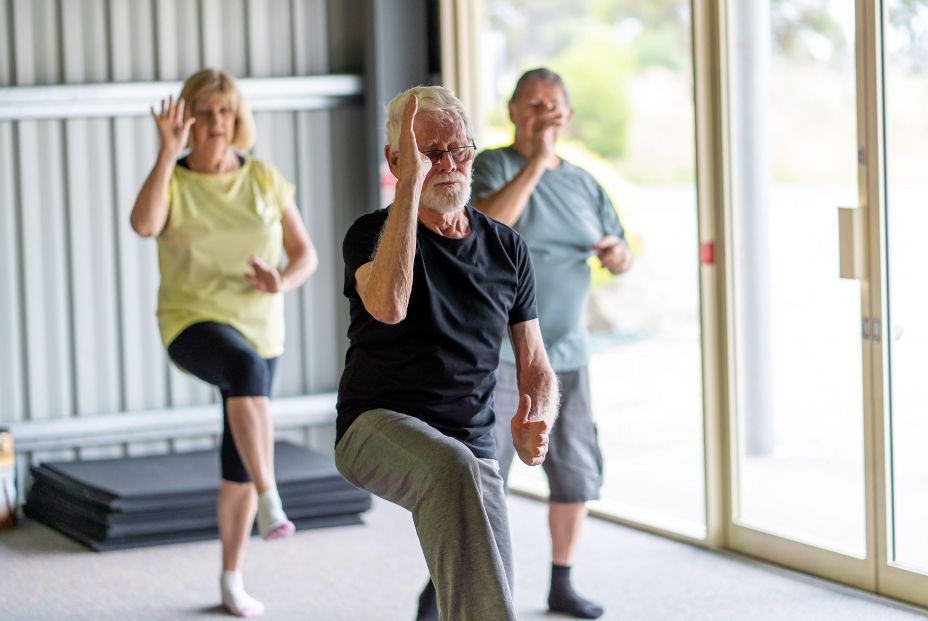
(629, 67)
(799, 473)
(905, 91)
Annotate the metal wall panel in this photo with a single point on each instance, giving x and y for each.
(132, 40)
(6, 44)
(36, 42)
(44, 261)
(270, 38)
(349, 135)
(177, 37)
(224, 46)
(144, 364)
(310, 41)
(320, 295)
(12, 405)
(93, 281)
(84, 39)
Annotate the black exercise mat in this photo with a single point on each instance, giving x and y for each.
(60, 514)
(101, 526)
(53, 499)
(50, 480)
(126, 543)
(133, 482)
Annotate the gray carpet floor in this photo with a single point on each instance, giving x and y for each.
(373, 573)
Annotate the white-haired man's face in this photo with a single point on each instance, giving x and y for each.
(447, 186)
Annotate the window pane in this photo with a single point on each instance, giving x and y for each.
(797, 324)
(628, 67)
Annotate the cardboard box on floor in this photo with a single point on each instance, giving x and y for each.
(7, 480)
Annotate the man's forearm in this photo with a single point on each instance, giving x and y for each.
(507, 204)
(540, 384)
(390, 282)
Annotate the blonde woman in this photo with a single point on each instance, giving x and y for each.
(222, 220)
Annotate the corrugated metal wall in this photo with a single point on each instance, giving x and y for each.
(77, 287)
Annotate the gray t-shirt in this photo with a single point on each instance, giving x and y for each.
(567, 213)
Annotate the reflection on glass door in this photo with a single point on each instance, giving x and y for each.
(798, 355)
(905, 66)
(628, 66)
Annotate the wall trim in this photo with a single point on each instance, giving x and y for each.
(174, 423)
(125, 99)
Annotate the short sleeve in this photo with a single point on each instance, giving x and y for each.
(523, 307)
(608, 216)
(359, 247)
(172, 200)
(489, 174)
(275, 184)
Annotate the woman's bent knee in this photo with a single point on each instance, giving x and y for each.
(246, 374)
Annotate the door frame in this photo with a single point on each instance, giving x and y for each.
(858, 572)
(892, 579)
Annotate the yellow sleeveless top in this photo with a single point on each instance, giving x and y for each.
(215, 224)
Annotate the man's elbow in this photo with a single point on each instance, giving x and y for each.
(389, 314)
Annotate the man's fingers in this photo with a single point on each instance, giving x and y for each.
(525, 406)
(609, 241)
(409, 113)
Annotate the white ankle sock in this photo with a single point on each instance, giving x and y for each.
(271, 516)
(234, 597)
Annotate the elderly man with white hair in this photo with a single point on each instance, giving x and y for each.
(433, 287)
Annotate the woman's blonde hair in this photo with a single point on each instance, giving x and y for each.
(206, 83)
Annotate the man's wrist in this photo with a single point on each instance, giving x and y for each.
(410, 190)
(536, 165)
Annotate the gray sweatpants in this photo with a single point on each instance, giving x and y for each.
(457, 503)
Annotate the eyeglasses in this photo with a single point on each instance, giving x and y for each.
(459, 155)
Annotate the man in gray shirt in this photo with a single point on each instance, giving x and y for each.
(565, 217)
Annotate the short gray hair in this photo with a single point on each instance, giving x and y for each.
(539, 74)
(435, 100)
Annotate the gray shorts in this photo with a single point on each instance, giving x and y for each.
(574, 464)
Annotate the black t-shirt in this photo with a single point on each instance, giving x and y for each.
(438, 363)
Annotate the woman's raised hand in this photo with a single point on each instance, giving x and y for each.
(172, 127)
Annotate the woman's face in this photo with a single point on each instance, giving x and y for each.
(215, 126)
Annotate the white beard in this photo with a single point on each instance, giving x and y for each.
(447, 199)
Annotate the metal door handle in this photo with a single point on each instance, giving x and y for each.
(850, 243)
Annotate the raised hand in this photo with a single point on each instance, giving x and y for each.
(413, 165)
(614, 253)
(544, 136)
(172, 127)
(530, 438)
(265, 277)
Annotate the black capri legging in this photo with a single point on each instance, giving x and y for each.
(219, 354)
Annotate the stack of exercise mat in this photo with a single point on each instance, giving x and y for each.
(114, 504)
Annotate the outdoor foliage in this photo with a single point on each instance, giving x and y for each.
(596, 70)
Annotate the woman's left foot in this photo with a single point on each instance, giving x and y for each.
(272, 521)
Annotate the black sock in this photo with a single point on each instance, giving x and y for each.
(428, 604)
(563, 598)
